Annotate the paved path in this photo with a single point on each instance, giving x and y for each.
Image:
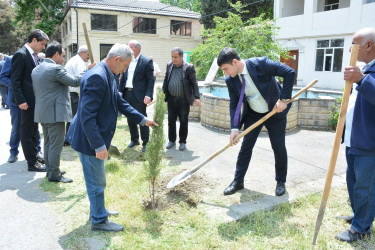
(26, 222)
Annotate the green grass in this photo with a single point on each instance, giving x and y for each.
(178, 225)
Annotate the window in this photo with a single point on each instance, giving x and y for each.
(180, 28)
(103, 22)
(331, 5)
(144, 25)
(104, 49)
(329, 55)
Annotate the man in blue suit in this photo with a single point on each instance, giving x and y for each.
(15, 113)
(137, 86)
(92, 129)
(252, 83)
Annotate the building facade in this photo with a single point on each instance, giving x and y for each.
(318, 34)
(158, 28)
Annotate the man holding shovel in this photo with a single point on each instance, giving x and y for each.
(252, 83)
(359, 139)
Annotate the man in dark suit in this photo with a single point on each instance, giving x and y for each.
(23, 62)
(91, 131)
(15, 113)
(252, 83)
(51, 84)
(137, 86)
(181, 90)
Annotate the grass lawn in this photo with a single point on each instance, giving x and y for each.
(179, 222)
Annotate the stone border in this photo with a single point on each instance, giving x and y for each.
(306, 113)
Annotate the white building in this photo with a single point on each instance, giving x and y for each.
(318, 34)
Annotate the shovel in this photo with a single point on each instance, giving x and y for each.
(187, 173)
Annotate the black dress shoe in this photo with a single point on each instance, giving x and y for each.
(38, 167)
(62, 172)
(12, 158)
(144, 148)
(348, 236)
(347, 219)
(108, 226)
(133, 143)
(280, 188)
(61, 179)
(233, 188)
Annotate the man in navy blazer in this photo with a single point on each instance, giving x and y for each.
(92, 129)
(23, 62)
(359, 139)
(137, 86)
(261, 94)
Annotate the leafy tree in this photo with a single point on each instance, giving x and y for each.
(217, 8)
(155, 146)
(193, 5)
(11, 38)
(252, 38)
(40, 14)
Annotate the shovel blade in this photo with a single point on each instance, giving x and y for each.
(178, 179)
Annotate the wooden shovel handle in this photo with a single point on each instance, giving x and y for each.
(336, 145)
(88, 42)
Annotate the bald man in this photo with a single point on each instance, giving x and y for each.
(359, 139)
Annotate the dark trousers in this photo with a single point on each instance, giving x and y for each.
(15, 138)
(4, 95)
(360, 180)
(53, 144)
(133, 127)
(29, 136)
(178, 107)
(74, 98)
(276, 131)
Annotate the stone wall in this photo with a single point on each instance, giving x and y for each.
(305, 113)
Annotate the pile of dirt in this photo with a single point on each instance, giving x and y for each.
(190, 191)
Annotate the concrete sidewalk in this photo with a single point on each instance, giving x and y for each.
(28, 223)
(26, 220)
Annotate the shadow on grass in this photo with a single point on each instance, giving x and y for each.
(262, 223)
(130, 155)
(83, 238)
(154, 223)
(55, 188)
(69, 154)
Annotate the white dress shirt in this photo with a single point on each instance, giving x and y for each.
(31, 52)
(75, 66)
(252, 94)
(131, 69)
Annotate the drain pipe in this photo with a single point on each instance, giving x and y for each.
(77, 26)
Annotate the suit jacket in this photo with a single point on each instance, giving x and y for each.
(95, 122)
(143, 79)
(189, 80)
(51, 89)
(22, 66)
(262, 71)
(5, 79)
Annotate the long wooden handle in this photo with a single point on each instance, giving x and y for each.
(245, 132)
(336, 145)
(88, 42)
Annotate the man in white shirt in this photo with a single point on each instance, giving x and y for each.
(75, 66)
(156, 67)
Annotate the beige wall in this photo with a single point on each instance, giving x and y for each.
(158, 45)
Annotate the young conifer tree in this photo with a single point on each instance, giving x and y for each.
(155, 146)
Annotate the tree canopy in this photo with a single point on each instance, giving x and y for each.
(193, 5)
(11, 38)
(253, 38)
(40, 14)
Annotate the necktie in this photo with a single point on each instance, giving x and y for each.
(238, 109)
(36, 59)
